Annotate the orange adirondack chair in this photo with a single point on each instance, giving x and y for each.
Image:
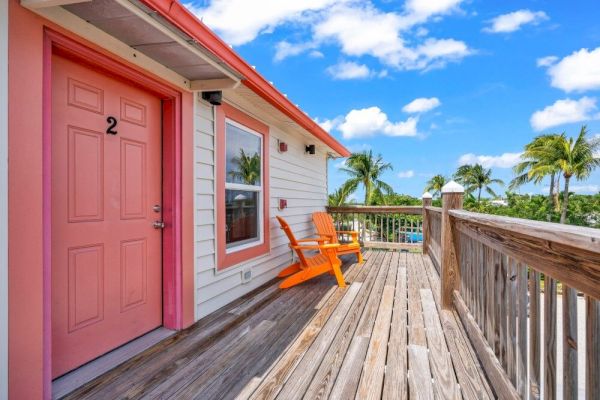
(309, 267)
(325, 227)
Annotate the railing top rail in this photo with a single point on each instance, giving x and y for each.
(434, 209)
(569, 235)
(415, 210)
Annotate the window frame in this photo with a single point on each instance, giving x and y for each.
(249, 188)
(236, 255)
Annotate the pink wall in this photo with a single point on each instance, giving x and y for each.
(28, 368)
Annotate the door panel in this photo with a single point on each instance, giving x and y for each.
(106, 255)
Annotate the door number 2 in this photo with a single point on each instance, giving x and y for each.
(112, 124)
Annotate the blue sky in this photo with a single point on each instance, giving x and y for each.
(487, 76)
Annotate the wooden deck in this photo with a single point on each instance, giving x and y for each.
(383, 336)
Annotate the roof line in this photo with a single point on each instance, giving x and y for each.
(183, 19)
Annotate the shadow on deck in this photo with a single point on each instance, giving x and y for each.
(383, 336)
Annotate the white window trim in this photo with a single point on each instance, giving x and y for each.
(252, 188)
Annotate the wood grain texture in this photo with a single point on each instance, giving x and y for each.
(535, 332)
(419, 377)
(592, 372)
(569, 342)
(498, 378)
(395, 385)
(575, 262)
(450, 274)
(521, 354)
(315, 342)
(445, 385)
(550, 322)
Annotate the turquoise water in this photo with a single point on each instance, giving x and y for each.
(414, 237)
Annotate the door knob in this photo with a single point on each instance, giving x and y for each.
(158, 225)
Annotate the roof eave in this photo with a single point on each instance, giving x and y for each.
(181, 17)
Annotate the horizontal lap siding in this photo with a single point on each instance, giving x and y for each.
(299, 178)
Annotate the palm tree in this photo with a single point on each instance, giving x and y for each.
(340, 196)
(536, 165)
(476, 177)
(365, 169)
(435, 185)
(575, 158)
(248, 168)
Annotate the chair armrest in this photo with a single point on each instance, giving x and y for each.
(315, 247)
(319, 239)
(354, 235)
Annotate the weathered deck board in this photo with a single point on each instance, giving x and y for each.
(383, 336)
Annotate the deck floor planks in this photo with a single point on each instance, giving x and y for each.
(325, 376)
(469, 373)
(347, 380)
(395, 384)
(383, 336)
(274, 379)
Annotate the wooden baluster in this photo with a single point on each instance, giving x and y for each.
(488, 262)
(522, 330)
(549, 338)
(569, 348)
(452, 198)
(534, 334)
(592, 370)
(512, 321)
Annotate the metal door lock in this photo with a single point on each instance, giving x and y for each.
(156, 208)
(158, 225)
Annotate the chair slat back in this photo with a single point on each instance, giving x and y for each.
(324, 224)
(288, 231)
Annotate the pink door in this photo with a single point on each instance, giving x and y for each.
(106, 194)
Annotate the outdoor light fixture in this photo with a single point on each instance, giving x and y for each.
(213, 98)
(282, 204)
(282, 146)
(310, 148)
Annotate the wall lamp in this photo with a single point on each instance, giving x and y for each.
(213, 97)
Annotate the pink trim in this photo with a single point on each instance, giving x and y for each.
(225, 260)
(55, 42)
(181, 17)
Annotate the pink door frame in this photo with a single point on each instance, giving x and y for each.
(57, 43)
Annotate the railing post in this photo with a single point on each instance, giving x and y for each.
(426, 203)
(452, 198)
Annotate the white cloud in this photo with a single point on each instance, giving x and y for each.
(340, 164)
(316, 54)
(584, 188)
(546, 61)
(505, 160)
(240, 21)
(359, 28)
(513, 21)
(349, 70)
(564, 112)
(285, 49)
(406, 174)
(421, 104)
(579, 71)
(329, 124)
(370, 121)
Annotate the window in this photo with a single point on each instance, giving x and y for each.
(243, 186)
(242, 201)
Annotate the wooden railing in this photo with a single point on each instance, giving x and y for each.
(432, 239)
(382, 226)
(507, 278)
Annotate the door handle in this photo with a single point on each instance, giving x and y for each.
(158, 225)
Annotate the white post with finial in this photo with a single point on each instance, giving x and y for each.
(452, 199)
(427, 199)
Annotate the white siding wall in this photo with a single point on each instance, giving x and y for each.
(3, 199)
(298, 178)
